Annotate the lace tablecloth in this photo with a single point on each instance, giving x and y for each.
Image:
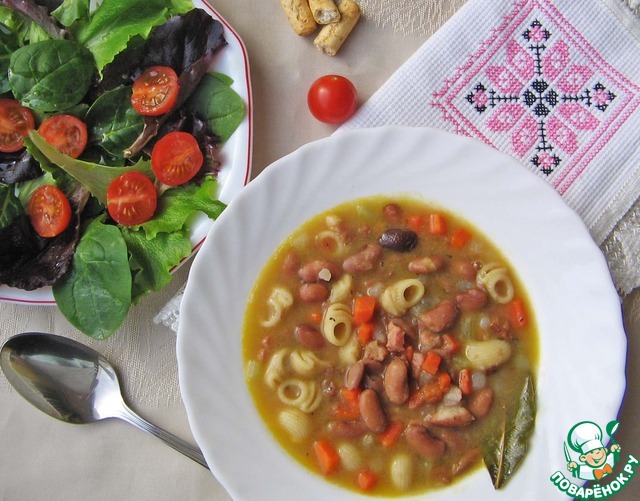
(42, 458)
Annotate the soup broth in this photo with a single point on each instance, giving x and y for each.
(386, 345)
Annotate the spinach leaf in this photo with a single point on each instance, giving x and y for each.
(115, 22)
(95, 296)
(95, 177)
(10, 206)
(8, 44)
(52, 75)
(113, 122)
(504, 452)
(218, 104)
(176, 205)
(152, 259)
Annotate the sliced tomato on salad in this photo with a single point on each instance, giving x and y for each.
(49, 211)
(131, 199)
(176, 158)
(15, 122)
(155, 91)
(68, 134)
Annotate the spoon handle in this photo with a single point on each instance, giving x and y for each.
(178, 444)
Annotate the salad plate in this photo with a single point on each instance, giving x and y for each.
(235, 155)
(575, 303)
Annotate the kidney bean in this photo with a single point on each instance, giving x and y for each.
(480, 401)
(313, 293)
(363, 260)
(440, 318)
(467, 460)
(309, 337)
(371, 411)
(308, 272)
(392, 213)
(354, 374)
(398, 239)
(455, 416)
(471, 300)
(346, 429)
(422, 442)
(396, 385)
(291, 263)
(425, 265)
(465, 269)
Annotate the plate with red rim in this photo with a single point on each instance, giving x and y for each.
(564, 272)
(235, 155)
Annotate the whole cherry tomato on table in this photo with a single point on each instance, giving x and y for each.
(155, 91)
(49, 211)
(131, 198)
(332, 99)
(15, 122)
(68, 134)
(176, 158)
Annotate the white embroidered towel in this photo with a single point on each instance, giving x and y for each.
(554, 83)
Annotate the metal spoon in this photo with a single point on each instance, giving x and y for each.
(74, 383)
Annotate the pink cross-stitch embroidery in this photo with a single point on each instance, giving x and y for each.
(536, 89)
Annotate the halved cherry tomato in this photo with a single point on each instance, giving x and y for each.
(332, 99)
(68, 134)
(131, 198)
(176, 158)
(15, 122)
(155, 91)
(49, 211)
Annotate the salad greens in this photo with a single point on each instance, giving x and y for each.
(73, 57)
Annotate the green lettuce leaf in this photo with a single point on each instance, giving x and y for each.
(95, 295)
(177, 205)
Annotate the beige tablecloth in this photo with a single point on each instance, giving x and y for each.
(41, 458)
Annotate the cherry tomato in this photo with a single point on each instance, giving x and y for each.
(176, 158)
(49, 211)
(131, 198)
(155, 91)
(66, 133)
(332, 99)
(15, 122)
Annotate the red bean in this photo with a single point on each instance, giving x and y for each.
(396, 382)
(363, 260)
(354, 374)
(309, 337)
(392, 213)
(422, 442)
(440, 318)
(313, 293)
(425, 265)
(471, 300)
(480, 402)
(371, 411)
(308, 272)
(464, 269)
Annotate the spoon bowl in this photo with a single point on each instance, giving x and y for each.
(74, 383)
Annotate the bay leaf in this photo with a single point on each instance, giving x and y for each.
(504, 451)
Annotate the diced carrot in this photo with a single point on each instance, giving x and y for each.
(345, 412)
(415, 222)
(451, 344)
(327, 457)
(391, 434)
(363, 309)
(351, 396)
(437, 224)
(431, 362)
(315, 316)
(367, 480)
(365, 332)
(428, 394)
(464, 381)
(517, 313)
(460, 238)
(444, 380)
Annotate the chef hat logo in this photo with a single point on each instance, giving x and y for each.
(585, 437)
